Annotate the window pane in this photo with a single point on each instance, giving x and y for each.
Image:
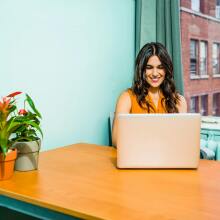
(215, 59)
(216, 104)
(193, 57)
(215, 50)
(193, 49)
(203, 58)
(204, 105)
(195, 5)
(194, 104)
(217, 11)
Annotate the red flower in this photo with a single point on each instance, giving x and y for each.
(14, 94)
(22, 112)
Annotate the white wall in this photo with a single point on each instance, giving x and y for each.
(72, 57)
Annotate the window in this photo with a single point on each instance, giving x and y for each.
(216, 104)
(194, 104)
(203, 58)
(215, 59)
(193, 57)
(217, 9)
(204, 105)
(195, 5)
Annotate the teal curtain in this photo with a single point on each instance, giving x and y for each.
(159, 20)
(168, 33)
(145, 25)
(138, 13)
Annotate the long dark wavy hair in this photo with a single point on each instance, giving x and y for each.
(140, 86)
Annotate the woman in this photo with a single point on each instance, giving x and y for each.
(153, 89)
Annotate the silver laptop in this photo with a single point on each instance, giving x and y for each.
(158, 140)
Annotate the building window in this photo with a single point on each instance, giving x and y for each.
(195, 5)
(215, 59)
(203, 58)
(194, 104)
(204, 105)
(216, 104)
(217, 9)
(193, 57)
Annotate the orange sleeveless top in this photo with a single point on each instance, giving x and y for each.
(136, 108)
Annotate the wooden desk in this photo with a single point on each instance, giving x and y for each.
(82, 180)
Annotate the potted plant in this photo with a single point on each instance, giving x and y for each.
(27, 136)
(8, 125)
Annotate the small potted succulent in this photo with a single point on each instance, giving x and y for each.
(8, 125)
(27, 136)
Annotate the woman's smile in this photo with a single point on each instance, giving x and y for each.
(155, 80)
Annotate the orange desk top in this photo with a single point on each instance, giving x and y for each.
(82, 180)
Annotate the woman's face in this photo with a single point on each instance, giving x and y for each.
(155, 72)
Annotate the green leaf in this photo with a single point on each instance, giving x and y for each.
(11, 123)
(13, 126)
(4, 150)
(20, 139)
(33, 124)
(12, 109)
(31, 103)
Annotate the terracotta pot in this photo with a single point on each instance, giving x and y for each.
(7, 164)
(28, 154)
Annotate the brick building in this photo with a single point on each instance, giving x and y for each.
(200, 33)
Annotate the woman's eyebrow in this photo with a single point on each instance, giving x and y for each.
(156, 66)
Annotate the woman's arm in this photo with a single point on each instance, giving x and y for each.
(182, 106)
(123, 106)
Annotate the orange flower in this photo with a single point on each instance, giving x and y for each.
(5, 104)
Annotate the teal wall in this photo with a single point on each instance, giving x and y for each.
(73, 57)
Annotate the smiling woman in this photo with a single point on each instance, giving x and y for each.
(153, 89)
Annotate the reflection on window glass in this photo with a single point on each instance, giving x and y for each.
(193, 57)
(215, 58)
(217, 9)
(203, 58)
(216, 104)
(204, 105)
(195, 5)
(194, 104)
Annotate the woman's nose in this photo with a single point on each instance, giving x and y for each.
(154, 73)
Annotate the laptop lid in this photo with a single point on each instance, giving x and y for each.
(158, 140)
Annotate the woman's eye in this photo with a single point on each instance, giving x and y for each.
(149, 67)
(160, 67)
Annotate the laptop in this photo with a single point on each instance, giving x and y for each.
(158, 140)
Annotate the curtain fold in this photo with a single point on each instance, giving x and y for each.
(138, 7)
(168, 33)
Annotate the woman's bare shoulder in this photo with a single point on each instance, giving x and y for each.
(182, 105)
(124, 102)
